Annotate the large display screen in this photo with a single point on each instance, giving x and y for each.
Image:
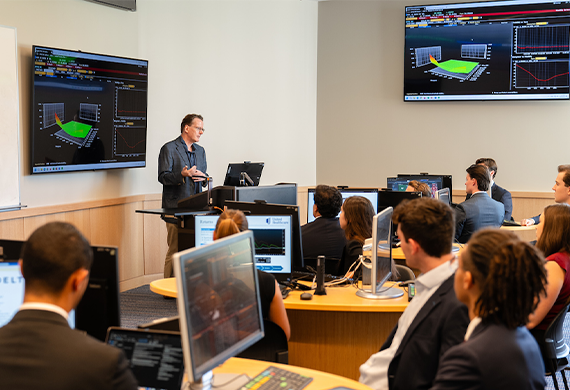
(89, 111)
(496, 50)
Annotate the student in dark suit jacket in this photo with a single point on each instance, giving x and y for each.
(324, 236)
(480, 210)
(181, 167)
(497, 193)
(499, 352)
(38, 348)
(435, 320)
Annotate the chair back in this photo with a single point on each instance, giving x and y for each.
(556, 348)
(271, 348)
(404, 273)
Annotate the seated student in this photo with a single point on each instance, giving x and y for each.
(434, 320)
(272, 307)
(356, 217)
(561, 190)
(480, 210)
(553, 235)
(418, 186)
(498, 352)
(497, 193)
(38, 348)
(324, 236)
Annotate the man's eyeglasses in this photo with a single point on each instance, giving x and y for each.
(199, 128)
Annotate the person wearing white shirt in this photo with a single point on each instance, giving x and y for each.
(435, 320)
(38, 348)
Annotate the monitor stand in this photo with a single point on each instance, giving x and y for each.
(383, 293)
(220, 382)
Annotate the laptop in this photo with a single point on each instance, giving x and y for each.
(155, 357)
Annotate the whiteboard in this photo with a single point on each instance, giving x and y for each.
(9, 121)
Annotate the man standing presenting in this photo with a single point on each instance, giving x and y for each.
(434, 320)
(479, 210)
(181, 167)
(38, 348)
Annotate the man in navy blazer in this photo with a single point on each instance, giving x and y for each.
(181, 167)
(324, 236)
(479, 210)
(497, 193)
(38, 349)
(435, 320)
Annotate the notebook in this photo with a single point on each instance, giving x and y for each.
(155, 356)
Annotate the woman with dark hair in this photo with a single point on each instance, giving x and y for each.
(356, 215)
(553, 235)
(272, 307)
(500, 278)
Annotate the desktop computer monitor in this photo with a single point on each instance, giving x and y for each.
(393, 198)
(272, 235)
(381, 262)
(10, 250)
(243, 174)
(218, 303)
(443, 195)
(435, 182)
(369, 193)
(12, 292)
(99, 308)
(277, 194)
(258, 208)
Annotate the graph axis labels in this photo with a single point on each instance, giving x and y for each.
(423, 54)
(475, 51)
(129, 141)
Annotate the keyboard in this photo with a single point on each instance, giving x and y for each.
(277, 378)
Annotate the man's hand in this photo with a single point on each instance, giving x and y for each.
(193, 172)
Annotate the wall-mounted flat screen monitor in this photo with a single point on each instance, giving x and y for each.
(494, 50)
(89, 111)
(272, 235)
(218, 302)
(369, 193)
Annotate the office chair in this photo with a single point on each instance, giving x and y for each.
(555, 352)
(404, 273)
(272, 348)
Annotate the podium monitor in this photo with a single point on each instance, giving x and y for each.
(277, 194)
(243, 174)
(218, 302)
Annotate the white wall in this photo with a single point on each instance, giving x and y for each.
(248, 66)
(365, 132)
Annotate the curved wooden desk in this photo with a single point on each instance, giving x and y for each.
(335, 333)
(320, 380)
(525, 233)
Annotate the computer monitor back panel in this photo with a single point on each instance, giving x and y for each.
(12, 292)
(272, 235)
(10, 250)
(277, 194)
(369, 193)
(218, 302)
(443, 195)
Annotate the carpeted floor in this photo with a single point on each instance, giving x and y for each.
(140, 305)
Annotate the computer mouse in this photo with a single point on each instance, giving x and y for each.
(306, 296)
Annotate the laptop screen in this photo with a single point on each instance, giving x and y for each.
(155, 356)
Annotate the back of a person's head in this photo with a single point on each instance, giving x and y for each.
(420, 187)
(481, 174)
(509, 274)
(328, 200)
(566, 178)
(555, 235)
(52, 254)
(489, 163)
(230, 222)
(359, 214)
(429, 222)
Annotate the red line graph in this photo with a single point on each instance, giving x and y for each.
(129, 146)
(544, 80)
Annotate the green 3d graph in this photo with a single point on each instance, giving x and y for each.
(455, 66)
(74, 129)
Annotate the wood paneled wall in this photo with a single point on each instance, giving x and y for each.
(141, 238)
